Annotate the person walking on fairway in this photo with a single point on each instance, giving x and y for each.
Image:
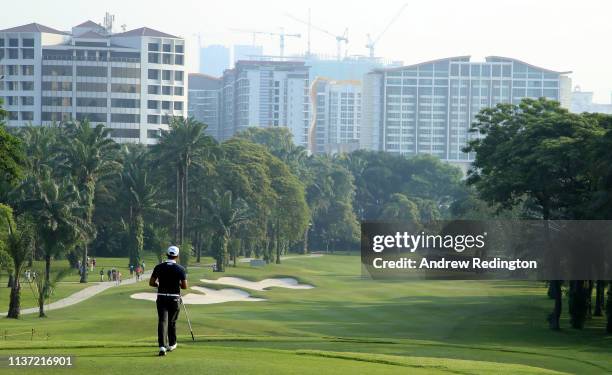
(169, 278)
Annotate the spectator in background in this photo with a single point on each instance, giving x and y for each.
(102, 274)
(109, 272)
(131, 269)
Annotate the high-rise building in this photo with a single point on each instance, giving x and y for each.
(265, 94)
(130, 81)
(205, 101)
(214, 59)
(582, 101)
(335, 116)
(247, 52)
(429, 107)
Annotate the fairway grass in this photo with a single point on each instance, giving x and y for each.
(344, 325)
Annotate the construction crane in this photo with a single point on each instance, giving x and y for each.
(372, 43)
(339, 38)
(281, 35)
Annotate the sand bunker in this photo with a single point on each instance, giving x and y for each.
(285, 282)
(209, 296)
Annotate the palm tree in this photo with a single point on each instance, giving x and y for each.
(226, 214)
(141, 198)
(57, 213)
(18, 244)
(89, 156)
(184, 144)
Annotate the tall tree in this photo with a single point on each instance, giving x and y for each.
(178, 148)
(11, 153)
(89, 156)
(226, 214)
(534, 150)
(142, 201)
(17, 241)
(57, 215)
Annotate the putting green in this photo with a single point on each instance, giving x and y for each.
(345, 324)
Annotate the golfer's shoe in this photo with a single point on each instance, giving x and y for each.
(162, 351)
(172, 347)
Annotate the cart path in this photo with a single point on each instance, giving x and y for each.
(83, 294)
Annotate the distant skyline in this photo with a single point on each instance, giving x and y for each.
(560, 35)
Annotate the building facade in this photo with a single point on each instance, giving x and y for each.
(335, 117)
(130, 81)
(582, 101)
(429, 107)
(214, 59)
(205, 101)
(265, 94)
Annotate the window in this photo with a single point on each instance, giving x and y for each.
(125, 133)
(13, 53)
(27, 116)
(178, 59)
(153, 89)
(92, 71)
(178, 106)
(167, 90)
(125, 72)
(153, 47)
(153, 74)
(92, 117)
(154, 58)
(57, 101)
(125, 118)
(57, 86)
(153, 104)
(27, 100)
(179, 48)
(167, 58)
(91, 102)
(152, 119)
(27, 86)
(153, 134)
(13, 115)
(125, 88)
(166, 74)
(167, 47)
(27, 70)
(56, 116)
(57, 70)
(27, 53)
(178, 90)
(125, 103)
(166, 104)
(178, 75)
(13, 42)
(91, 87)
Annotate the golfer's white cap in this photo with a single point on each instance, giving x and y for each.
(173, 251)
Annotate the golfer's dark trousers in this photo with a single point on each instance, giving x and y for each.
(167, 313)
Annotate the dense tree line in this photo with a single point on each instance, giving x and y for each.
(69, 191)
(543, 162)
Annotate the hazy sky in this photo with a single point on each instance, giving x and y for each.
(555, 34)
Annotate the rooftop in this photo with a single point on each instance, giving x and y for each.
(144, 31)
(33, 28)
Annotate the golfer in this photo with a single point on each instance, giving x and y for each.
(169, 278)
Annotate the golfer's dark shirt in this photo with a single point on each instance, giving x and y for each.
(169, 276)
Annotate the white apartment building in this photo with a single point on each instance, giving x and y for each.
(265, 94)
(336, 116)
(129, 81)
(428, 108)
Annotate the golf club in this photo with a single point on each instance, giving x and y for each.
(188, 321)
